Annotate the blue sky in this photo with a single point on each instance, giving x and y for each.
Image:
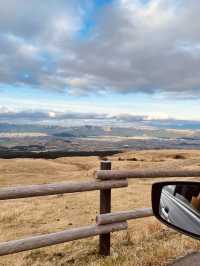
(124, 56)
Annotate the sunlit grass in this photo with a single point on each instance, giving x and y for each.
(145, 243)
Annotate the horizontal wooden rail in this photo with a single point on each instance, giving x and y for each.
(58, 188)
(146, 173)
(15, 246)
(114, 217)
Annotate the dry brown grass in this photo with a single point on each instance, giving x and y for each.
(146, 242)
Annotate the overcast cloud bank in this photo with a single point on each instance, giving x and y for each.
(72, 119)
(123, 46)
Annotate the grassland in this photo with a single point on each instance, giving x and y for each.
(146, 242)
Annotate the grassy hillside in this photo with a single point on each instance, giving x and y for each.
(146, 242)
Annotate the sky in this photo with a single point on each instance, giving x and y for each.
(138, 57)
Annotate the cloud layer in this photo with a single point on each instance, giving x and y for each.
(81, 47)
(77, 118)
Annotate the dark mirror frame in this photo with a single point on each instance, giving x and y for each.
(155, 199)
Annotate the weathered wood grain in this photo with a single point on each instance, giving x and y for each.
(146, 173)
(30, 243)
(58, 188)
(105, 207)
(123, 216)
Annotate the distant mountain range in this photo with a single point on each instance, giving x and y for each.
(95, 134)
(152, 130)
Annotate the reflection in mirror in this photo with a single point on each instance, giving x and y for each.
(180, 206)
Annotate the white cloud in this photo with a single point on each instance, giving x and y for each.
(133, 47)
(52, 114)
(5, 110)
(157, 116)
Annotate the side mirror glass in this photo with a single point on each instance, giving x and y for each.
(177, 204)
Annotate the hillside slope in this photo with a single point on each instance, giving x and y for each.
(146, 242)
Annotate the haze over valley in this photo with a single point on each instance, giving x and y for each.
(73, 132)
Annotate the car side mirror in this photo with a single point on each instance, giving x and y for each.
(177, 204)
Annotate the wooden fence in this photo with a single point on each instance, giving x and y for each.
(106, 222)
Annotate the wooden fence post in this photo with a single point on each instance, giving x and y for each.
(105, 207)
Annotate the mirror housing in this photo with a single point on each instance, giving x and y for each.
(177, 204)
